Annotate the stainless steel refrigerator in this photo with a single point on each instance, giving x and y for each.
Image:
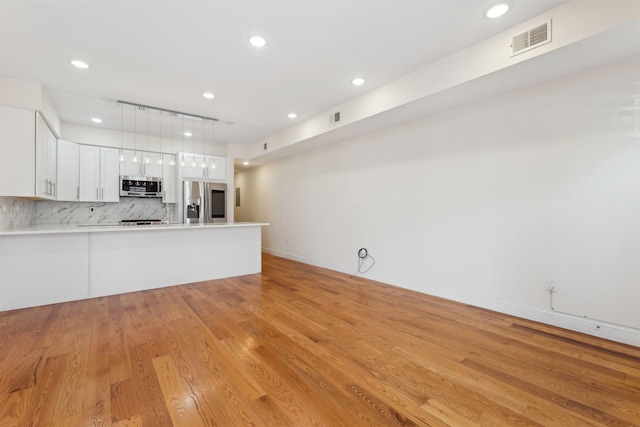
(204, 202)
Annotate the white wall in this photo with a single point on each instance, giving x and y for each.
(482, 203)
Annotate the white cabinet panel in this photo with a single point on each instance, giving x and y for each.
(178, 256)
(191, 165)
(68, 171)
(197, 166)
(17, 152)
(99, 174)
(110, 174)
(130, 165)
(169, 178)
(146, 163)
(46, 159)
(218, 168)
(43, 269)
(89, 173)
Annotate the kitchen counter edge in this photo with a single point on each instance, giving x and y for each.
(109, 228)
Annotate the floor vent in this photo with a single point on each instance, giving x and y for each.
(531, 39)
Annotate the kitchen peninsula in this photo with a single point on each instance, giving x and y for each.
(56, 263)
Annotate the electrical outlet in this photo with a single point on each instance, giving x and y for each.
(552, 284)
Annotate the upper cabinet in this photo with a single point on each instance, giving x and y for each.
(169, 178)
(99, 174)
(28, 164)
(203, 167)
(68, 171)
(46, 159)
(17, 152)
(141, 163)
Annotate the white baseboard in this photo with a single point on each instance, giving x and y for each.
(619, 333)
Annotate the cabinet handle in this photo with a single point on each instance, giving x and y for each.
(78, 193)
(53, 184)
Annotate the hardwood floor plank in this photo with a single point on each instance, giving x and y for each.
(298, 345)
(124, 402)
(45, 394)
(178, 397)
(97, 394)
(153, 411)
(119, 361)
(71, 395)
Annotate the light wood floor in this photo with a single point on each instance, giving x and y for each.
(302, 346)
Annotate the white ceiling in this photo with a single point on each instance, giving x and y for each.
(167, 53)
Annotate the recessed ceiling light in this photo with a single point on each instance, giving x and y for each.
(188, 133)
(497, 11)
(208, 95)
(245, 163)
(292, 115)
(257, 41)
(358, 81)
(79, 64)
(96, 119)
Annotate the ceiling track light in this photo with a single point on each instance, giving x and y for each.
(178, 113)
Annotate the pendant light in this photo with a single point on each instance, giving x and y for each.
(213, 144)
(122, 159)
(135, 134)
(160, 136)
(182, 159)
(173, 154)
(204, 161)
(147, 160)
(193, 144)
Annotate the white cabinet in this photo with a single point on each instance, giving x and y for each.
(68, 171)
(203, 167)
(43, 269)
(99, 174)
(17, 152)
(46, 159)
(169, 178)
(110, 174)
(192, 166)
(218, 168)
(146, 163)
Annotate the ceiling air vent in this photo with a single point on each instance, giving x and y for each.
(531, 39)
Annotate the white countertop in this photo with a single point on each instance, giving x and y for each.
(106, 228)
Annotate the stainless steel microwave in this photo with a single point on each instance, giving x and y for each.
(140, 186)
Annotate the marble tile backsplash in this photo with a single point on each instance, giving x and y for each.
(17, 213)
(102, 213)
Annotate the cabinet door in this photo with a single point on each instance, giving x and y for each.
(17, 136)
(46, 154)
(109, 174)
(68, 181)
(89, 173)
(128, 166)
(192, 166)
(218, 168)
(152, 164)
(169, 178)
